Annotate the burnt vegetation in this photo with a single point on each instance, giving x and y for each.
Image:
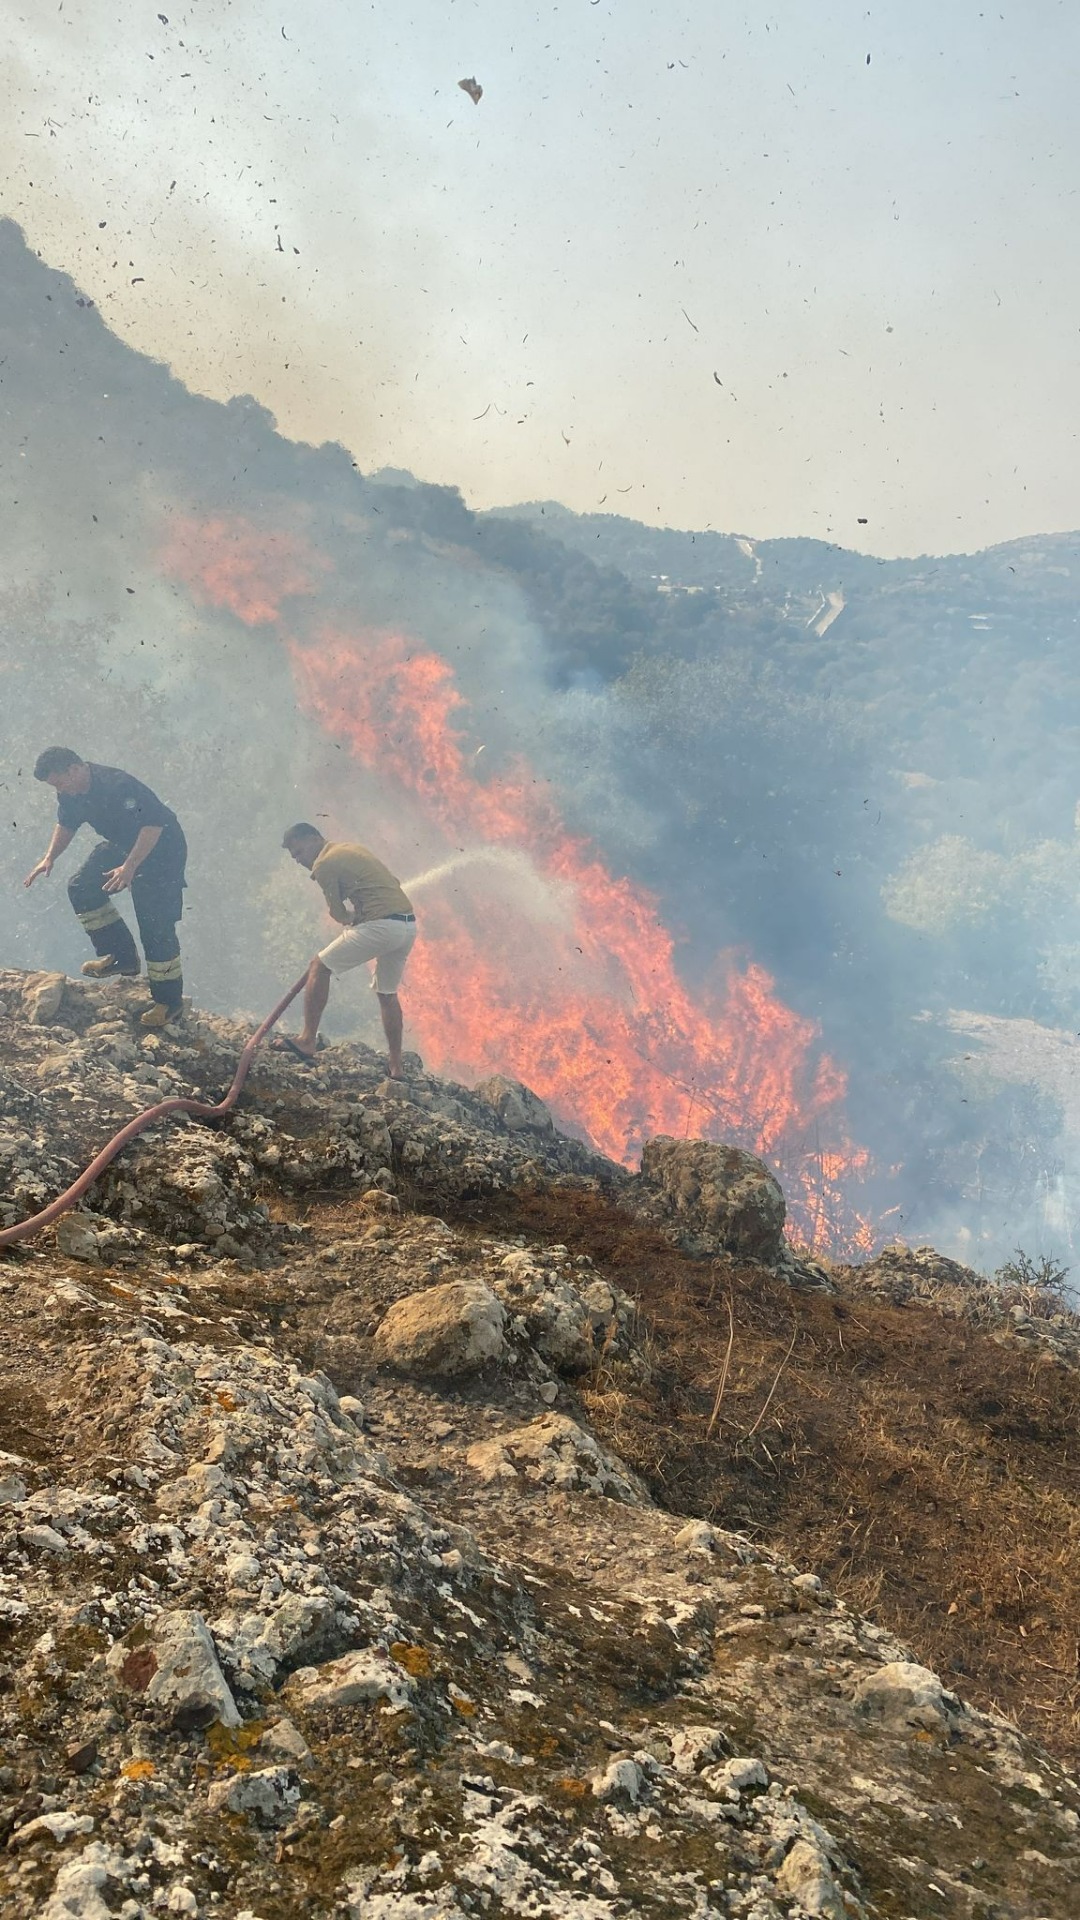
(927, 1470)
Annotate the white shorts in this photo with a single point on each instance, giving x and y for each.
(387, 942)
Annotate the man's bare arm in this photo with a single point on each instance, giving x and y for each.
(62, 837)
(120, 877)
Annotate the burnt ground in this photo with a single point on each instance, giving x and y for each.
(928, 1471)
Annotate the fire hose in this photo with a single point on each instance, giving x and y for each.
(199, 1109)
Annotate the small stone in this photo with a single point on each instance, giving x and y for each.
(43, 996)
(266, 1797)
(716, 1197)
(287, 1743)
(177, 1666)
(808, 1583)
(80, 1883)
(549, 1392)
(691, 1745)
(517, 1106)
(45, 1539)
(81, 1758)
(696, 1537)
(623, 1780)
(735, 1776)
(56, 1827)
(181, 1900)
(902, 1690)
(805, 1876)
(78, 1237)
(194, 1716)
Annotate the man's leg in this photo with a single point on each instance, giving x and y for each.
(393, 1027)
(109, 934)
(316, 995)
(158, 901)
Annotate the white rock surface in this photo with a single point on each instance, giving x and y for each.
(444, 1331)
(357, 1677)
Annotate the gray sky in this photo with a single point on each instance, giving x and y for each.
(530, 298)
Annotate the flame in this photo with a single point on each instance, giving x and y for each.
(573, 989)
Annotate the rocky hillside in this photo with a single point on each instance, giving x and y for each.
(385, 1529)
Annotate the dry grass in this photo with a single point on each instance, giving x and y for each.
(928, 1472)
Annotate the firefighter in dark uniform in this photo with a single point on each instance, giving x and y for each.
(142, 847)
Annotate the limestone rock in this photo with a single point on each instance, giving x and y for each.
(715, 1198)
(690, 1746)
(287, 1744)
(902, 1690)
(77, 1236)
(805, 1875)
(623, 1780)
(177, 1666)
(568, 1322)
(81, 1884)
(43, 996)
(556, 1452)
(452, 1329)
(357, 1677)
(57, 1827)
(516, 1105)
(267, 1796)
(736, 1776)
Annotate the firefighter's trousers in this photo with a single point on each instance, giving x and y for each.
(157, 893)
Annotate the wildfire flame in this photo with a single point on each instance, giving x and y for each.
(572, 988)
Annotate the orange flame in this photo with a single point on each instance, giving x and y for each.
(584, 1002)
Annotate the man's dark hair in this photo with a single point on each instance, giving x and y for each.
(55, 760)
(303, 830)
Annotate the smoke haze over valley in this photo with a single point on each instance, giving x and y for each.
(768, 840)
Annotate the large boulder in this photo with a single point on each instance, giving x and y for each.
(714, 1198)
(452, 1329)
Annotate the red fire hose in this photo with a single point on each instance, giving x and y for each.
(200, 1108)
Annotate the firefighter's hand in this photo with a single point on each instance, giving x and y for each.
(118, 879)
(40, 872)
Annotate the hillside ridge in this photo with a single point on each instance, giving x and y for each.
(354, 1552)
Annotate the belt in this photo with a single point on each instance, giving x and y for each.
(400, 916)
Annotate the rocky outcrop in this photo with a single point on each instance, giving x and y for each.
(66, 1084)
(1038, 1318)
(713, 1198)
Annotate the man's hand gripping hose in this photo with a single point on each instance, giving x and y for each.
(199, 1109)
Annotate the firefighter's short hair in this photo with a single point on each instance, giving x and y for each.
(56, 760)
(303, 830)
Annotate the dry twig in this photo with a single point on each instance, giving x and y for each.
(723, 1371)
(775, 1384)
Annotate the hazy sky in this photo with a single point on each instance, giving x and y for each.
(861, 220)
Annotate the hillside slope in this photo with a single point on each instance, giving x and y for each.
(384, 1534)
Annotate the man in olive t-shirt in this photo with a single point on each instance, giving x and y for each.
(363, 897)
